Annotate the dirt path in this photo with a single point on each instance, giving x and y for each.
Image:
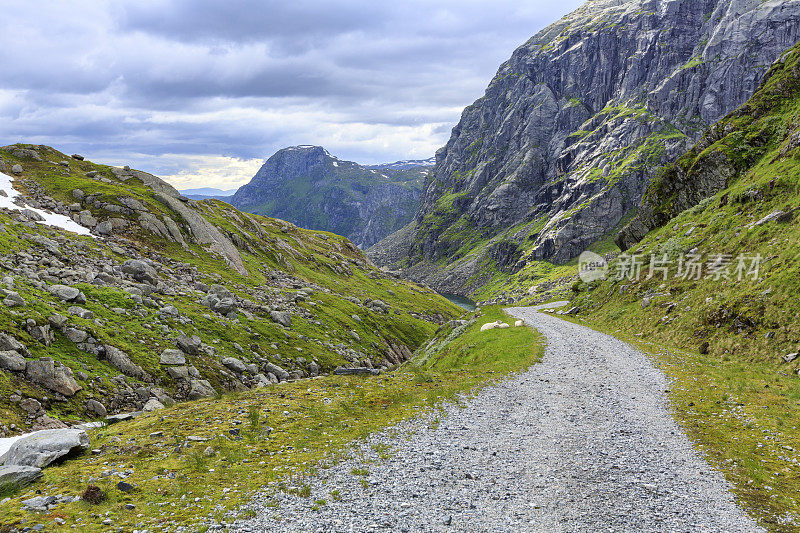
(582, 441)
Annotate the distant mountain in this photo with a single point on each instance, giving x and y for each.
(207, 193)
(308, 186)
(405, 164)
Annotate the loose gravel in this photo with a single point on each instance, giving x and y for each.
(582, 441)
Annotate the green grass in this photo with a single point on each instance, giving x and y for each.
(314, 423)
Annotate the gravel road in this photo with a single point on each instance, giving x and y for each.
(582, 441)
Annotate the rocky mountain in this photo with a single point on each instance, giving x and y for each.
(120, 294)
(571, 130)
(309, 187)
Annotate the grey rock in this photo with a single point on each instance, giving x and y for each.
(9, 342)
(180, 373)
(12, 360)
(30, 214)
(281, 317)
(123, 363)
(96, 408)
(76, 335)
(85, 218)
(13, 299)
(280, 373)
(104, 228)
(67, 293)
(170, 356)
(39, 503)
(44, 447)
(80, 312)
(235, 365)
(190, 345)
(16, 169)
(788, 358)
(140, 271)
(52, 375)
(200, 388)
(152, 405)
(14, 477)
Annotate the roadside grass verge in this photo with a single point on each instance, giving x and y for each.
(196, 463)
(742, 415)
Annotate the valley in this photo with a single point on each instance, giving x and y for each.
(579, 315)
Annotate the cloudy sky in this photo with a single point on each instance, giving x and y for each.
(201, 91)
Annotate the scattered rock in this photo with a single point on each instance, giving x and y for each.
(126, 487)
(12, 360)
(789, 357)
(152, 405)
(344, 371)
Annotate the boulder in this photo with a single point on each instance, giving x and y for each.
(16, 169)
(52, 375)
(8, 342)
(152, 405)
(140, 271)
(235, 365)
(104, 228)
(13, 299)
(15, 477)
(67, 293)
(80, 312)
(44, 447)
(281, 317)
(789, 357)
(280, 373)
(190, 345)
(200, 388)
(12, 360)
(123, 363)
(96, 408)
(171, 356)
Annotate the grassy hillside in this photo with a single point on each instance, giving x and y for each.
(725, 340)
(194, 464)
(301, 300)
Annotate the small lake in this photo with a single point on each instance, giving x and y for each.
(460, 301)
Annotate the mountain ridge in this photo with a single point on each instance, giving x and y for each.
(308, 186)
(573, 127)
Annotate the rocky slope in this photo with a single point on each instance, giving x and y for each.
(309, 187)
(162, 298)
(574, 126)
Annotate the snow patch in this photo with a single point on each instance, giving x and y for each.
(5, 444)
(50, 219)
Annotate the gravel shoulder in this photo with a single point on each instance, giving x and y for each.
(582, 441)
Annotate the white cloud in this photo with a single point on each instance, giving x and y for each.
(200, 89)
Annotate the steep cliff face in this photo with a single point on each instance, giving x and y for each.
(575, 125)
(309, 187)
(728, 151)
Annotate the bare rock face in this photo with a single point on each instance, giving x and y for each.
(576, 124)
